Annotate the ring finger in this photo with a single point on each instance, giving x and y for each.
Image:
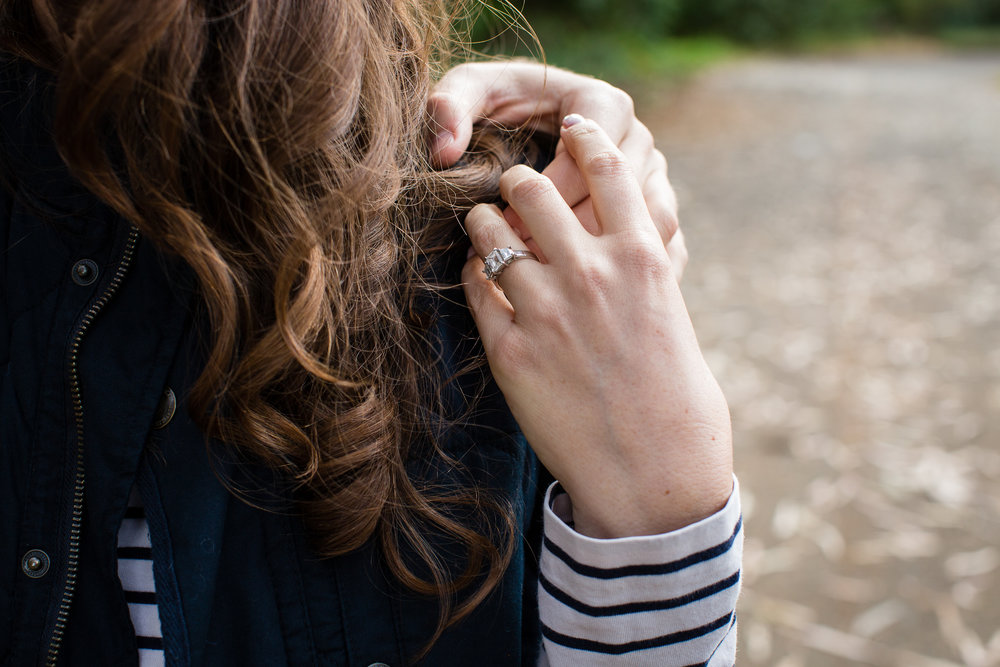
(488, 231)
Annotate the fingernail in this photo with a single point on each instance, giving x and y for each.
(441, 140)
(443, 135)
(468, 255)
(572, 119)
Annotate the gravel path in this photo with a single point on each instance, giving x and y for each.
(843, 218)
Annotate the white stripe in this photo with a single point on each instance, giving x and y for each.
(133, 533)
(638, 626)
(149, 657)
(136, 575)
(145, 619)
(623, 590)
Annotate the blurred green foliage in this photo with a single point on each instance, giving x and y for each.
(765, 21)
(627, 41)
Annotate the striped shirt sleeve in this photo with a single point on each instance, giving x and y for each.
(135, 570)
(665, 600)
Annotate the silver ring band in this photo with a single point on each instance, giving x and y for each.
(500, 258)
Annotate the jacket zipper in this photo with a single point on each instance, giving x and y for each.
(73, 553)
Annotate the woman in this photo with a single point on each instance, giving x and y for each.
(220, 221)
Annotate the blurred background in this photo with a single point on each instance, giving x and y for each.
(837, 164)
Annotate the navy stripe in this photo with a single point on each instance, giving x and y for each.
(643, 570)
(636, 607)
(135, 513)
(155, 643)
(139, 553)
(140, 597)
(638, 645)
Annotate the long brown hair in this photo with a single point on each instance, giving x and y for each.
(278, 147)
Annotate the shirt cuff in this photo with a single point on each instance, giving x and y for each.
(654, 599)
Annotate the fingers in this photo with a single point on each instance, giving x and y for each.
(450, 124)
(614, 190)
(488, 230)
(495, 311)
(516, 93)
(661, 201)
(515, 222)
(613, 110)
(507, 93)
(609, 107)
(548, 219)
(678, 253)
(563, 172)
(583, 211)
(651, 169)
(490, 309)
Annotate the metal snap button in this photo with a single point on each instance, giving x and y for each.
(166, 409)
(378, 664)
(35, 563)
(85, 272)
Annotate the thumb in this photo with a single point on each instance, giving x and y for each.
(450, 123)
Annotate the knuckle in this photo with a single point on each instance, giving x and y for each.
(645, 135)
(644, 260)
(483, 212)
(660, 161)
(463, 69)
(593, 281)
(667, 221)
(622, 101)
(607, 163)
(530, 187)
(479, 221)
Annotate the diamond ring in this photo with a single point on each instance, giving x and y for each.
(500, 258)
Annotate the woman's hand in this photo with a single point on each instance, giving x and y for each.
(595, 352)
(518, 92)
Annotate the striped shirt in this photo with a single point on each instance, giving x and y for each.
(665, 600)
(135, 569)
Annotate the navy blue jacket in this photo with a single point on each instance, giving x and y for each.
(95, 326)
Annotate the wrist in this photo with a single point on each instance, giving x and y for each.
(642, 509)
